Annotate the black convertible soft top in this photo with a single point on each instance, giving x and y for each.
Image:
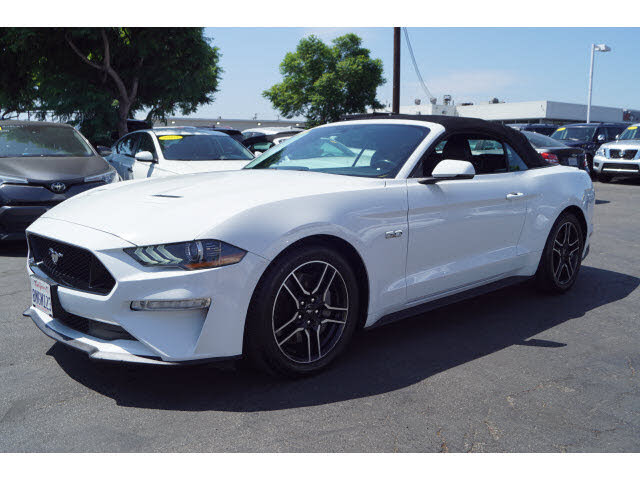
(468, 125)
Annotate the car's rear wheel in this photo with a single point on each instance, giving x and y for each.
(562, 255)
(604, 178)
(303, 312)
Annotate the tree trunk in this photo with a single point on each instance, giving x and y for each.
(123, 114)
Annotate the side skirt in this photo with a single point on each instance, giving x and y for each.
(444, 301)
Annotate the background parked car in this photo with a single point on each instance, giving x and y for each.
(556, 152)
(259, 143)
(42, 164)
(588, 136)
(232, 132)
(619, 158)
(171, 151)
(542, 128)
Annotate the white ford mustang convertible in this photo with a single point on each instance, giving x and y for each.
(348, 225)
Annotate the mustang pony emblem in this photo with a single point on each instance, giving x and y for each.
(55, 256)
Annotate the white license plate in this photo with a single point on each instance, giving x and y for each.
(41, 295)
(573, 161)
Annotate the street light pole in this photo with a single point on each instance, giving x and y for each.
(594, 48)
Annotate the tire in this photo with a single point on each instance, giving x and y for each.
(303, 312)
(604, 178)
(562, 255)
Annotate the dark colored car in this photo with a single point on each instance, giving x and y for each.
(258, 143)
(232, 132)
(42, 164)
(555, 152)
(543, 128)
(588, 136)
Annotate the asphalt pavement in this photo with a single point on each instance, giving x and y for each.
(514, 370)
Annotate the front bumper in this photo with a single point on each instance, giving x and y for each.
(22, 204)
(157, 336)
(616, 166)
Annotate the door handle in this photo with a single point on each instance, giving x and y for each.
(515, 195)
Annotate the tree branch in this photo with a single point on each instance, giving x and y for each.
(109, 69)
(81, 55)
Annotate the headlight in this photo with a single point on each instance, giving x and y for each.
(9, 179)
(600, 151)
(188, 255)
(109, 177)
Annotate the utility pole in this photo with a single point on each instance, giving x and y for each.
(396, 70)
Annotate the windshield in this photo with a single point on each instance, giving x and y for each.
(42, 141)
(373, 150)
(542, 141)
(202, 147)
(574, 134)
(631, 133)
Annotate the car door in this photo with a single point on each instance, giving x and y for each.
(142, 168)
(464, 233)
(124, 156)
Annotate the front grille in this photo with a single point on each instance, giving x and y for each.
(625, 154)
(75, 267)
(620, 166)
(105, 331)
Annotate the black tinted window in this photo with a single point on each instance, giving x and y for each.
(146, 145)
(202, 147)
(126, 146)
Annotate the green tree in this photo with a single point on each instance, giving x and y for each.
(18, 85)
(323, 82)
(102, 76)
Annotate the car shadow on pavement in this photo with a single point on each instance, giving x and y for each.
(378, 361)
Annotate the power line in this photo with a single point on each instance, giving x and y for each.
(415, 65)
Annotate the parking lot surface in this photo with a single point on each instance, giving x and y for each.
(515, 370)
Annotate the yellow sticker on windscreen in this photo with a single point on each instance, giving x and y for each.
(170, 137)
(632, 128)
(560, 129)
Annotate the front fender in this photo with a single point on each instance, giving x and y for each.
(360, 217)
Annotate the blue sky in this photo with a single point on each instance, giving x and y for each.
(472, 64)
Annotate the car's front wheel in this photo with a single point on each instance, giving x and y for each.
(303, 313)
(562, 255)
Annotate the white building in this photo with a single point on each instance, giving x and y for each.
(237, 123)
(541, 111)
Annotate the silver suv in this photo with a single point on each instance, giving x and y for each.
(620, 158)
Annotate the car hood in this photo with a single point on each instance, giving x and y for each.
(200, 166)
(47, 169)
(624, 144)
(183, 207)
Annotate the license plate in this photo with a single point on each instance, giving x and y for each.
(573, 161)
(41, 295)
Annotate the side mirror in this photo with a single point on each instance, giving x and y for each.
(103, 151)
(601, 138)
(257, 153)
(450, 170)
(144, 156)
(617, 136)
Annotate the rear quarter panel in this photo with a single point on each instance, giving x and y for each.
(551, 190)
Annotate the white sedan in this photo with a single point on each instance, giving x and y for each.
(349, 225)
(171, 151)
